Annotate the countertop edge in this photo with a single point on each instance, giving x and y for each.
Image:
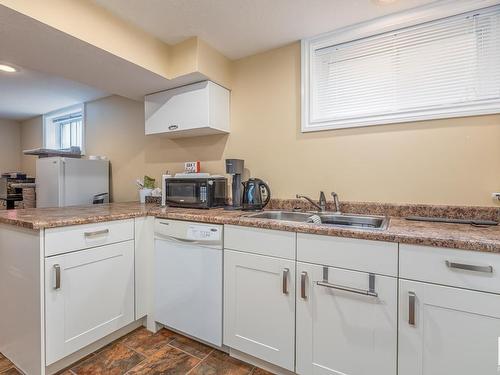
(235, 218)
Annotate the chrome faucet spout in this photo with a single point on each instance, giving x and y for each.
(318, 206)
(322, 201)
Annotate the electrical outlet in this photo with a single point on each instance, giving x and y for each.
(495, 196)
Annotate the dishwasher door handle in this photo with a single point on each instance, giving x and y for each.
(185, 241)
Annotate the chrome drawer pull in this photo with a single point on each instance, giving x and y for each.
(303, 277)
(370, 292)
(469, 267)
(57, 268)
(347, 289)
(96, 233)
(286, 271)
(411, 308)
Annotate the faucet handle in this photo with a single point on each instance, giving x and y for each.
(336, 201)
(322, 196)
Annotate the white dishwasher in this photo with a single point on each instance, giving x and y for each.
(188, 278)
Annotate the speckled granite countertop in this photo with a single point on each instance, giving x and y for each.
(458, 236)
(39, 218)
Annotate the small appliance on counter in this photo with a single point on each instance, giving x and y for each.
(100, 198)
(235, 167)
(194, 190)
(11, 187)
(256, 195)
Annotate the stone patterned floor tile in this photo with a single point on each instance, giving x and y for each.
(66, 370)
(166, 361)
(219, 363)
(145, 342)
(11, 371)
(143, 353)
(192, 347)
(116, 360)
(259, 371)
(5, 364)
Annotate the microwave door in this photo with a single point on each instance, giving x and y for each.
(183, 193)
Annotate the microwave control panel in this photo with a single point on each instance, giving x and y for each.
(203, 194)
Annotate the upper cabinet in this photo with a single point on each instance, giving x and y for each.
(198, 109)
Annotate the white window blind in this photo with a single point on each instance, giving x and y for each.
(444, 68)
(64, 128)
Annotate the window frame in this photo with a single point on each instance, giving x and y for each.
(61, 112)
(412, 17)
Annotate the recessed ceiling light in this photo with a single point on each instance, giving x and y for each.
(7, 68)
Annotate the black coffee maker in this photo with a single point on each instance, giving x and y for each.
(235, 167)
(256, 194)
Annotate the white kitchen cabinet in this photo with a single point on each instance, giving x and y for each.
(259, 306)
(447, 330)
(198, 109)
(144, 270)
(343, 331)
(88, 295)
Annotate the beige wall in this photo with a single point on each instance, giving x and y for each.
(453, 161)
(10, 146)
(31, 137)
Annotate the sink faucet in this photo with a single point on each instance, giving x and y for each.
(321, 206)
(336, 202)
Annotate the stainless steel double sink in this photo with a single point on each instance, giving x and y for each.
(326, 218)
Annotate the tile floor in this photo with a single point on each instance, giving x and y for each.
(163, 353)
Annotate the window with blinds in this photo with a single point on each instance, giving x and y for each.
(448, 67)
(64, 128)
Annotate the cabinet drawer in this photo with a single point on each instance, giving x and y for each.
(460, 268)
(269, 242)
(78, 237)
(360, 255)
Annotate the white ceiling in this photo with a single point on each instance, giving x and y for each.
(28, 93)
(239, 28)
(73, 70)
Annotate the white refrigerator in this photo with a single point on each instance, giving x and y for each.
(64, 181)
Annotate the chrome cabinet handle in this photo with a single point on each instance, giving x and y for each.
(347, 289)
(371, 285)
(57, 269)
(469, 267)
(411, 308)
(96, 233)
(285, 273)
(303, 277)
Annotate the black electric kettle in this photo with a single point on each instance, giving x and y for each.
(253, 191)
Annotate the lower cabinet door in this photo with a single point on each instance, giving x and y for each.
(88, 295)
(339, 329)
(259, 306)
(446, 330)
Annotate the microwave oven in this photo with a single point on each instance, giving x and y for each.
(195, 192)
